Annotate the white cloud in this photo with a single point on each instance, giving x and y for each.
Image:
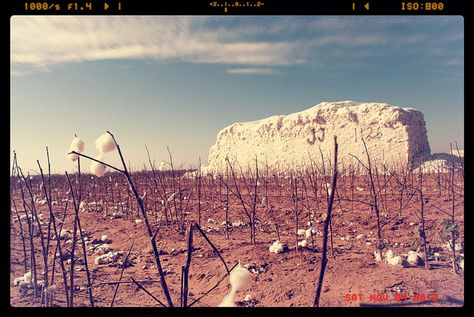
(251, 71)
(250, 45)
(48, 40)
(454, 62)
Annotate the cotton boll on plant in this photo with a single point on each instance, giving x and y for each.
(72, 157)
(96, 168)
(105, 143)
(238, 278)
(77, 145)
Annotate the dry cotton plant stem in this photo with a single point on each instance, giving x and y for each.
(121, 274)
(144, 215)
(145, 219)
(212, 246)
(453, 223)
(56, 234)
(25, 266)
(148, 293)
(25, 258)
(327, 200)
(212, 288)
(187, 267)
(84, 252)
(423, 229)
(254, 205)
(373, 194)
(29, 219)
(199, 193)
(326, 226)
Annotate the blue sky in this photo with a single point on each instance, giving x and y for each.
(177, 81)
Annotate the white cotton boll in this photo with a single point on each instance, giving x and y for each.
(103, 238)
(162, 166)
(17, 281)
(377, 256)
(302, 243)
(277, 247)
(301, 232)
(72, 157)
(307, 233)
(238, 278)
(105, 143)
(389, 255)
(98, 169)
(27, 277)
(248, 298)
(228, 301)
(138, 221)
(414, 258)
(77, 145)
(396, 260)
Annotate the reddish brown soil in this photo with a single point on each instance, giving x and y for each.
(287, 279)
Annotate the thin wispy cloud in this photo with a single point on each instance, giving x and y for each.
(45, 41)
(252, 45)
(252, 71)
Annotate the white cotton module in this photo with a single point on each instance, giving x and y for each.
(98, 169)
(238, 278)
(105, 143)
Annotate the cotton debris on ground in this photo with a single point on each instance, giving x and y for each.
(277, 247)
(414, 258)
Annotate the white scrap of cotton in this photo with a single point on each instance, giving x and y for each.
(27, 277)
(238, 278)
(277, 247)
(98, 169)
(105, 143)
(303, 243)
(162, 166)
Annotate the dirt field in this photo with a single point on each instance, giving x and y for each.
(352, 278)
